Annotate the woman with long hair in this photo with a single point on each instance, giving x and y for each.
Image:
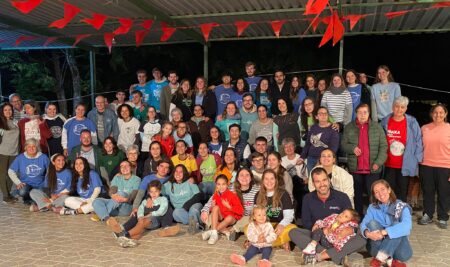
(184, 99)
(147, 130)
(262, 95)
(297, 93)
(34, 126)
(110, 158)
(280, 209)
(58, 181)
(207, 165)
(360, 94)
(338, 101)
(229, 166)
(384, 91)
(155, 155)
(128, 127)
(284, 178)
(9, 148)
(287, 124)
(215, 141)
(205, 98)
(230, 116)
(87, 184)
(55, 122)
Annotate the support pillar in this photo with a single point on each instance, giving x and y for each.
(341, 56)
(92, 77)
(205, 61)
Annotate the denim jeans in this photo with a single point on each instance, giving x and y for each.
(24, 192)
(38, 196)
(310, 163)
(398, 248)
(106, 207)
(252, 251)
(208, 189)
(182, 216)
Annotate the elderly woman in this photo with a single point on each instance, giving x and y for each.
(365, 143)
(435, 167)
(405, 149)
(386, 227)
(28, 170)
(341, 180)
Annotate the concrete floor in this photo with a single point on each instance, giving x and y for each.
(47, 239)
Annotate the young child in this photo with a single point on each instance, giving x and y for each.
(333, 231)
(260, 234)
(226, 210)
(152, 214)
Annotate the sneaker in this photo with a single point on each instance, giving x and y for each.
(442, 224)
(310, 249)
(66, 211)
(375, 263)
(113, 225)
(192, 226)
(233, 235)
(264, 263)
(425, 220)
(34, 208)
(213, 238)
(169, 231)
(237, 259)
(95, 217)
(307, 259)
(126, 242)
(206, 235)
(397, 263)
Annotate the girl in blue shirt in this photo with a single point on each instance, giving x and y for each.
(56, 184)
(87, 185)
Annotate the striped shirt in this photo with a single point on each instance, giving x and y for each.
(337, 104)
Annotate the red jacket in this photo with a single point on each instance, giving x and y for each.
(44, 132)
(363, 144)
(236, 206)
(168, 144)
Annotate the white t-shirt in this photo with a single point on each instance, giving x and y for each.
(292, 168)
(127, 133)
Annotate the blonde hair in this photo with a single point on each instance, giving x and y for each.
(258, 207)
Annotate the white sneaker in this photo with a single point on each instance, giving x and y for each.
(206, 235)
(213, 238)
(310, 249)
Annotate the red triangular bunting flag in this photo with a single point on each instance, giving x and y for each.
(70, 12)
(50, 40)
(326, 20)
(147, 24)
(276, 26)
(353, 19)
(125, 26)
(315, 7)
(97, 20)
(328, 34)
(80, 37)
(338, 28)
(108, 38)
(241, 26)
(391, 15)
(167, 32)
(441, 4)
(206, 29)
(315, 22)
(26, 6)
(140, 35)
(24, 38)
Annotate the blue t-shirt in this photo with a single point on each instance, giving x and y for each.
(151, 177)
(154, 93)
(31, 171)
(215, 148)
(94, 181)
(355, 92)
(74, 127)
(237, 98)
(144, 90)
(63, 181)
(223, 96)
(253, 83)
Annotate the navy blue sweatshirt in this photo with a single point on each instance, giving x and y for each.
(320, 139)
(314, 209)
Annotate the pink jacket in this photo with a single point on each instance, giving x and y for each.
(253, 232)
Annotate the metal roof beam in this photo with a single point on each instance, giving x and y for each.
(158, 15)
(298, 9)
(32, 29)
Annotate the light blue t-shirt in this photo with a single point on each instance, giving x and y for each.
(264, 100)
(145, 89)
(155, 93)
(94, 181)
(63, 181)
(124, 185)
(223, 96)
(74, 127)
(31, 171)
(180, 193)
(384, 96)
(253, 83)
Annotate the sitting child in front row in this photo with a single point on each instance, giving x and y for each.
(333, 231)
(226, 210)
(261, 235)
(152, 214)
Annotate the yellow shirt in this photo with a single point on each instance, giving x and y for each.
(190, 164)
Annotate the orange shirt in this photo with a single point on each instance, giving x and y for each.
(436, 145)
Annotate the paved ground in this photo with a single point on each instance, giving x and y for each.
(47, 239)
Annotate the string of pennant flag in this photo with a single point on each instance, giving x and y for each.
(335, 29)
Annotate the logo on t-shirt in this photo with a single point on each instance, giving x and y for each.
(33, 170)
(397, 148)
(78, 128)
(56, 131)
(315, 140)
(224, 98)
(384, 96)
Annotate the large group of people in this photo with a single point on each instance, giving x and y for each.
(246, 157)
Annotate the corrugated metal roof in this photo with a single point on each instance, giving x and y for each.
(192, 13)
